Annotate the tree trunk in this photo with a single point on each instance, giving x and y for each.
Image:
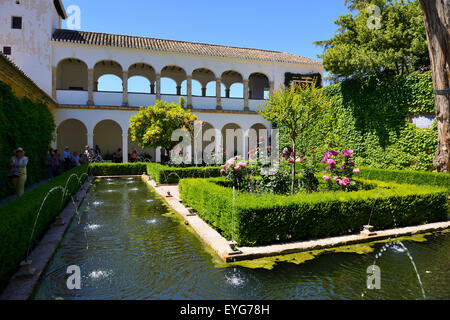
(293, 166)
(437, 24)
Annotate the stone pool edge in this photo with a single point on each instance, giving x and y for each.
(22, 288)
(222, 246)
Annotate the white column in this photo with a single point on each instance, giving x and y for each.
(125, 88)
(246, 95)
(90, 140)
(189, 92)
(158, 86)
(218, 93)
(90, 87)
(245, 144)
(125, 147)
(158, 155)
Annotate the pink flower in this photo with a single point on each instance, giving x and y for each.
(344, 182)
(347, 153)
(352, 163)
(243, 164)
(356, 170)
(327, 178)
(277, 159)
(324, 172)
(332, 163)
(291, 160)
(261, 138)
(237, 168)
(336, 179)
(325, 158)
(222, 171)
(269, 148)
(342, 168)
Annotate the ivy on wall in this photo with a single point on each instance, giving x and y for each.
(369, 116)
(25, 124)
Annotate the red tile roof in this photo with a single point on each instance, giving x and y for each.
(154, 44)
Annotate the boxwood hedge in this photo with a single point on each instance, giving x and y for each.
(117, 169)
(18, 217)
(267, 219)
(172, 175)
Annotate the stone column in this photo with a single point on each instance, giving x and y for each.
(189, 92)
(54, 70)
(125, 147)
(204, 92)
(152, 88)
(158, 86)
(219, 93)
(178, 90)
(90, 140)
(227, 92)
(246, 95)
(125, 88)
(90, 87)
(245, 148)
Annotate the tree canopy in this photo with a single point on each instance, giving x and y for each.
(295, 108)
(386, 42)
(152, 127)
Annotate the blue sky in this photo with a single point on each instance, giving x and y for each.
(290, 25)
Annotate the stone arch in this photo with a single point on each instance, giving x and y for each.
(108, 136)
(258, 84)
(205, 76)
(73, 134)
(232, 142)
(106, 68)
(143, 70)
(176, 73)
(231, 78)
(72, 74)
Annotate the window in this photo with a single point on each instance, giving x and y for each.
(7, 51)
(16, 23)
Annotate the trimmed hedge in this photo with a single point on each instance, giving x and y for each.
(117, 169)
(18, 217)
(407, 176)
(172, 175)
(267, 219)
(25, 124)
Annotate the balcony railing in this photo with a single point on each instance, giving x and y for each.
(115, 99)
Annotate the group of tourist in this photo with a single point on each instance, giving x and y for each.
(54, 162)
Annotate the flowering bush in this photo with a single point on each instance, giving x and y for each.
(236, 170)
(340, 170)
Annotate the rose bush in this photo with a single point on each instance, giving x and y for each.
(340, 170)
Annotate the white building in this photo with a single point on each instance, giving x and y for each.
(69, 65)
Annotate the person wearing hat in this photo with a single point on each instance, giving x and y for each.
(18, 171)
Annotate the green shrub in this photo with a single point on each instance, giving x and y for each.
(267, 219)
(172, 175)
(408, 177)
(25, 124)
(18, 217)
(117, 169)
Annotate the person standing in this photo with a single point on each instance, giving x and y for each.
(66, 159)
(75, 160)
(117, 156)
(18, 171)
(56, 163)
(48, 164)
(133, 156)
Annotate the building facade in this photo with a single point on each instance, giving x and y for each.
(69, 65)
